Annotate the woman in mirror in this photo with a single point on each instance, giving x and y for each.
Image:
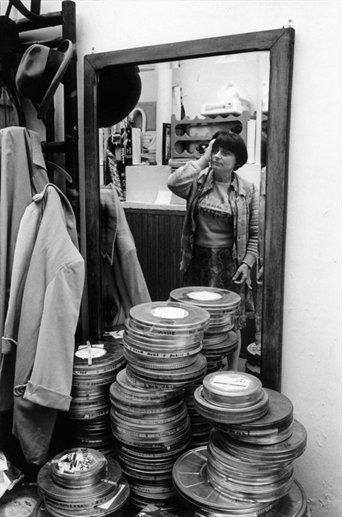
(220, 231)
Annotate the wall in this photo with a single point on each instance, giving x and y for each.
(196, 78)
(202, 80)
(312, 306)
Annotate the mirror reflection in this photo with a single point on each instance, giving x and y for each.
(182, 105)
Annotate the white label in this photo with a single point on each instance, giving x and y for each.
(170, 313)
(93, 352)
(204, 296)
(231, 382)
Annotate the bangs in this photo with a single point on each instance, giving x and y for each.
(231, 142)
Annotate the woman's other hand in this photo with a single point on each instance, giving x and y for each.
(260, 275)
(241, 274)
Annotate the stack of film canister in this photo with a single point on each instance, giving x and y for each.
(247, 467)
(152, 430)
(162, 344)
(83, 481)
(253, 359)
(200, 427)
(95, 368)
(219, 342)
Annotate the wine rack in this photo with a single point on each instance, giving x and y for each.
(188, 134)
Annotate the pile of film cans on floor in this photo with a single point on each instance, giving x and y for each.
(95, 368)
(83, 482)
(247, 467)
(162, 344)
(185, 435)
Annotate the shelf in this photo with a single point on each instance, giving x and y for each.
(212, 119)
(184, 145)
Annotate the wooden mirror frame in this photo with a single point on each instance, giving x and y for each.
(280, 44)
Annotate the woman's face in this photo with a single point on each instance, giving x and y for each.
(222, 160)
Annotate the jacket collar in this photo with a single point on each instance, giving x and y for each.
(206, 179)
(69, 215)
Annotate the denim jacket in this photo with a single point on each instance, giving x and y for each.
(191, 183)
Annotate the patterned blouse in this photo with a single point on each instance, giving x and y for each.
(192, 183)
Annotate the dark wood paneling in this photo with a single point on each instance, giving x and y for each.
(157, 236)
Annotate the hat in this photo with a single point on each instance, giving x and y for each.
(9, 39)
(119, 90)
(40, 71)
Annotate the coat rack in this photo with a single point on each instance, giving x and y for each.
(37, 24)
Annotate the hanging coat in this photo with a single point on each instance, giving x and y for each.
(123, 282)
(43, 309)
(22, 174)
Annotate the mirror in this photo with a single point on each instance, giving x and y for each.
(278, 45)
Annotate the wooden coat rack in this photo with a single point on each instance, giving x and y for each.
(38, 23)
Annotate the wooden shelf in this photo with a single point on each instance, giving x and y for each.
(199, 130)
(212, 119)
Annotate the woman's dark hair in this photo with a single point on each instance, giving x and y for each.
(231, 142)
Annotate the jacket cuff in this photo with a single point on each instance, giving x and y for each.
(46, 397)
(249, 259)
(7, 344)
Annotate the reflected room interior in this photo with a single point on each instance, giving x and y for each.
(181, 105)
(188, 91)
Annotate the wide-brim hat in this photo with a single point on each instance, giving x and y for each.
(40, 72)
(119, 90)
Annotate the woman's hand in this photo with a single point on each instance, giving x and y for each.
(241, 274)
(209, 150)
(204, 160)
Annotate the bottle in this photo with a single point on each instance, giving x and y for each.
(128, 149)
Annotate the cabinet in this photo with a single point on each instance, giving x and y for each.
(188, 134)
(157, 235)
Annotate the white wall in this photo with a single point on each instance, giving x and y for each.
(312, 306)
(202, 80)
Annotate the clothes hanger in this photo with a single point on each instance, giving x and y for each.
(57, 168)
